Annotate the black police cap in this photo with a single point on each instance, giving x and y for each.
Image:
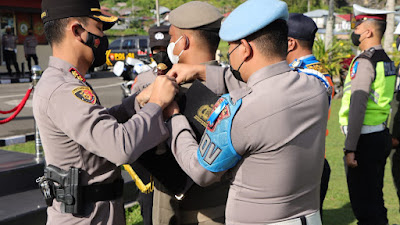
(301, 27)
(52, 10)
(159, 36)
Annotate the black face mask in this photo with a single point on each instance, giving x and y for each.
(162, 57)
(30, 33)
(235, 73)
(398, 43)
(99, 46)
(355, 38)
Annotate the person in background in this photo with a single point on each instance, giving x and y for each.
(30, 44)
(395, 126)
(367, 94)
(9, 43)
(301, 35)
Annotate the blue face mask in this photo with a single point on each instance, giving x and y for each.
(235, 73)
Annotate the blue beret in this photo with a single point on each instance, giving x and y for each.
(252, 16)
(301, 27)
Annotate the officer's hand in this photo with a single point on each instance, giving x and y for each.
(395, 142)
(187, 72)
(144, 96)
(350, 160)
(164, 91)
(172, 109)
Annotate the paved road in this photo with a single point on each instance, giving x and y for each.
(105, 84)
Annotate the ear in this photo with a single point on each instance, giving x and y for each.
(247, 50)
(292, 44)
(186, 39)
(77, 31)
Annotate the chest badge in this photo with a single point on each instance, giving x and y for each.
(85, 94)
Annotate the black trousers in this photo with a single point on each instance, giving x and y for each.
(365, 182)
(11, 58)
(396, 170)
(326, 173)
(35, 59)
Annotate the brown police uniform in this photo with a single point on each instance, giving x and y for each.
(280, 139)
(76, 131)
(201, 205)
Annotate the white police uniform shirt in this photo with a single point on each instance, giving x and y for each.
(280, 133)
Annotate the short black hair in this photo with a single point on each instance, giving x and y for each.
(307, 44)
(380, 27)
(54, 29)
(272, 40)
(209, 38)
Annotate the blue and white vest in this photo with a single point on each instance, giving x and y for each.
(216, 152)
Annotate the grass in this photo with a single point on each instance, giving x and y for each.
(337, 209)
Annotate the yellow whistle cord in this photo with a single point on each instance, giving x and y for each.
(148, 188)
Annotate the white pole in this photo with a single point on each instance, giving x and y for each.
(157, 13)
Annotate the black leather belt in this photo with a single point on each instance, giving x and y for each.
(102, 192)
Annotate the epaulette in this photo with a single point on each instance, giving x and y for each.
(76, 74)
(369, 53)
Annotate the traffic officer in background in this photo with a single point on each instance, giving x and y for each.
(301, 35)
(395, 126)
(268, 133)
(194, 40)
(76, 131)
(159, 40)
(368, 91)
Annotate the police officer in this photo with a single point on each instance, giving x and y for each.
(9, 43)
(395, 125)
(159, 39)
(268, 133)
(368, 91)
(301, 34)
(194, 39)
(76, 131)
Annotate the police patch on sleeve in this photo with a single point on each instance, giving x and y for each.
(85, 94)
(354, 70)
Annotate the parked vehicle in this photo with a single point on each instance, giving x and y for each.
(129, 46)
(128, 70)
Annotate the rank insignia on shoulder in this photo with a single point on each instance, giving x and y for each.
(353, 70)
(76, 74)
(85, 94)
(318, 67)
(296, 63)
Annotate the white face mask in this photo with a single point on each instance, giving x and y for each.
(170, 51)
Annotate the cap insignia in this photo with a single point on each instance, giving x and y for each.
(159, 36)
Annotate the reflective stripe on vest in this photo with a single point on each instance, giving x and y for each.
(379, 98)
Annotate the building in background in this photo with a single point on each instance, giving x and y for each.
(21, 15)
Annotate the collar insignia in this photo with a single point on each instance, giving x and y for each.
(76, 74)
